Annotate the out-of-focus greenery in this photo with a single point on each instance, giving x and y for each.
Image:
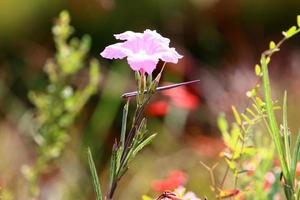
(240, 150)
(63, 100)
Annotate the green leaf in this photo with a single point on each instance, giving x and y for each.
(286, 134)
(295, 156)
(143, 144)
(246, 118)
(124, 121)
(298, 21)
(222, 123)
(96, 182)
(250, 112)
(272, 45)
(113, 163)
(274, 130)
(289, 33)
(235, 135)
(231, 164)
(249, 150)
(236, 115)
(145, 197)
(260, 102)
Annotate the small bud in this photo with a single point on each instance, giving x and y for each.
(257, 70)
(272, 45)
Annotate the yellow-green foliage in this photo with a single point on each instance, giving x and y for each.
(60, 103)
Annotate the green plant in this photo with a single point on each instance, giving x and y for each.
(60, 104)
(136, 139)
(246, 142)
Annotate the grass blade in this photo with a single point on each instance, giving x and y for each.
(275, 133)
(286, 133)
(124, 122)
(143, 144)
(96, 182)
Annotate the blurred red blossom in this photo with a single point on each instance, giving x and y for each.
(182, 98)
(158, 108)
(174, 179)
(207, 146)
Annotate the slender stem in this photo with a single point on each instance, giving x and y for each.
(134, 93)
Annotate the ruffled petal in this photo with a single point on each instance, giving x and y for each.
(170, 55)
(128, 35)
(156, 37)
(115, 51)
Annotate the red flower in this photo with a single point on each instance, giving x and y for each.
(174, 179)
(182, 98)
(203, 145)
(157, 108)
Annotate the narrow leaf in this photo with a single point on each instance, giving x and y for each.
(286, 134)
(222, 123)
(275, 134)
(236, 115)
(231, 165)
(124, 122)
(298, 21)
(250, 112)
(113, 163)
(289, 33)
(295, 156)
(246, 118)
(143, 144)
(96, 182)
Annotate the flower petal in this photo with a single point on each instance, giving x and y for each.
(143, 50)
(115, 51)
(128, 35)
(142, 62)
(153, 35)
(170, 56)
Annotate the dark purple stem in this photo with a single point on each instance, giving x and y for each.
(168, 87)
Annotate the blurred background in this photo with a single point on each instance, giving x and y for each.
(221, 42)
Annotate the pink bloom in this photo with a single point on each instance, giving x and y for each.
(143, 50)
(298, 169)
(269, 181)
(184, 195)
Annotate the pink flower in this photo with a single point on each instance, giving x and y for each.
(269, 181)
(185, 195)
(143, 50)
